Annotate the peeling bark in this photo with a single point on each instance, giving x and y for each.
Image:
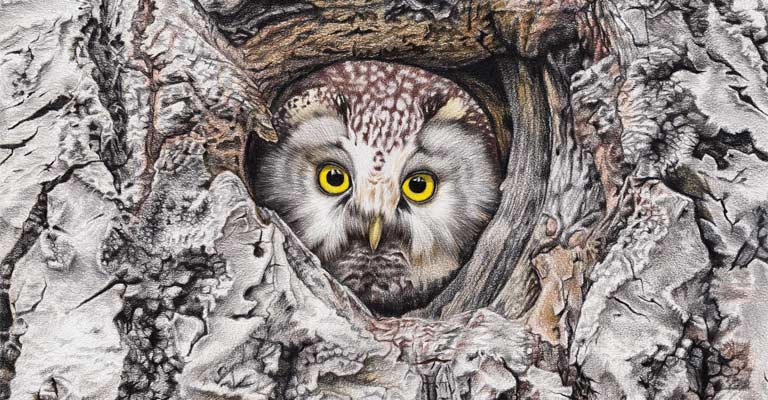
(627, 259)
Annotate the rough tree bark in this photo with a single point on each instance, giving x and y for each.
(627, 259)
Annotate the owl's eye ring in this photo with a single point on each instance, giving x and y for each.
(333, 179)
(419, 187)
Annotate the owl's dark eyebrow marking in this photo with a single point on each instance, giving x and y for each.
(331, 151)
(439, 152)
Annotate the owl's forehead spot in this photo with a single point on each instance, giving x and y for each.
(372, 160)
(378, 160)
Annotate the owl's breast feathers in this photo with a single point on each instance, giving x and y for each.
(382, 279)
(383, 105)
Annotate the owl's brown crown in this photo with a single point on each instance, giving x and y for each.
(382, 104)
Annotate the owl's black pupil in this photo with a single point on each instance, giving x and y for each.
(417, 185)
(335, 177)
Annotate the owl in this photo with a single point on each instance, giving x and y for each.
(387, 172)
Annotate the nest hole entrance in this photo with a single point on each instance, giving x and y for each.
(495, 86)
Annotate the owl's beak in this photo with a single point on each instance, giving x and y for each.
(374, 232)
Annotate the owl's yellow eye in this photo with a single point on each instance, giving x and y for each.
(419, 187)
(333, 179)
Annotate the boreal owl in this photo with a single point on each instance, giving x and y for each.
(387, 172)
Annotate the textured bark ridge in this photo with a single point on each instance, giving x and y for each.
(627, 258)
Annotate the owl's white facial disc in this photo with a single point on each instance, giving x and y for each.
(378, 126)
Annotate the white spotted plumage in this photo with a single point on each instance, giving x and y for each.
(383, 122)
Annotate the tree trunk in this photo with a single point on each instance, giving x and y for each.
(627, 258)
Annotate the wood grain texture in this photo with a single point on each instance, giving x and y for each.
(628, 258)
(320, 32)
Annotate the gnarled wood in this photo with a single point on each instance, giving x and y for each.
(627, 259)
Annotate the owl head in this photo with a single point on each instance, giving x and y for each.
(387, 172)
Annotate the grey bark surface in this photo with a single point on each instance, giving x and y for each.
(627, 260)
